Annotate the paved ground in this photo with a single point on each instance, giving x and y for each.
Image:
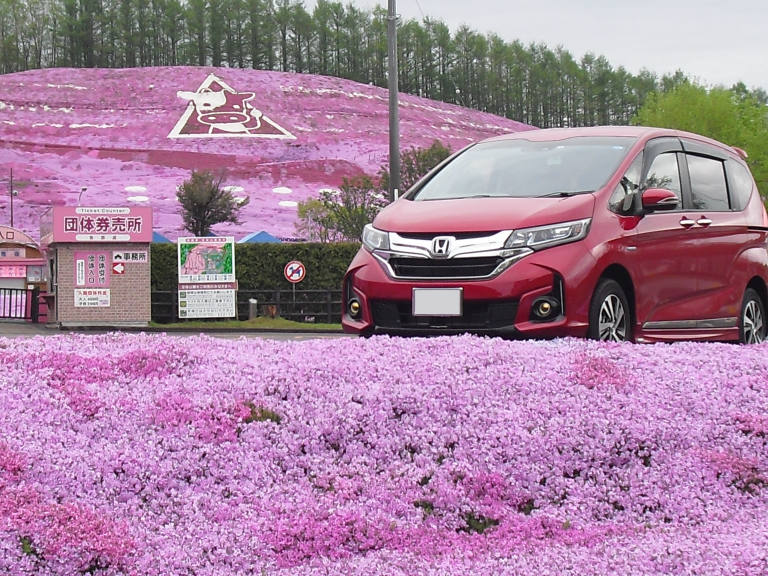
(22, 329)
(16, 328)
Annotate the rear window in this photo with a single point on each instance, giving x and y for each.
(740, 183)
(525, 169)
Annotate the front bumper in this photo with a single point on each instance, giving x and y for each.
(501, 305)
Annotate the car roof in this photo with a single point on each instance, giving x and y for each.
(639, 132)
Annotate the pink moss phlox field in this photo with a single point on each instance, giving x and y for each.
(108, 130)
(150, 454)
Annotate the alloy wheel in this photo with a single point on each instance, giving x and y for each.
(754, 324)
(612, 322)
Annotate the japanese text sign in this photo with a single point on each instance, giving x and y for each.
(91, 269)
(101, 224)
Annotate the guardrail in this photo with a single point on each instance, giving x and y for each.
(310, 306)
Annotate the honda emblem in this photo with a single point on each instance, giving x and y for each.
(442, 246)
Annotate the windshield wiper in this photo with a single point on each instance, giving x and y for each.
(566, 194)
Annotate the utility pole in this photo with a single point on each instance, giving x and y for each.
(10, 193)
(394, 122)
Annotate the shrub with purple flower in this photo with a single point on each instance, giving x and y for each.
(150, 454)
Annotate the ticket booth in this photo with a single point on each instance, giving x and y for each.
(98, 261)
(21, 275)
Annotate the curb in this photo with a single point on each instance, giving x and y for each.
(161, 330)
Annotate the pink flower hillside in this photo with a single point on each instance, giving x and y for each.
(123, 137)
(149, 454)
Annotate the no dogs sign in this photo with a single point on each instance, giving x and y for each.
(294, 271)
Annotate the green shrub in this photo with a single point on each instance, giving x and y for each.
(260, 266)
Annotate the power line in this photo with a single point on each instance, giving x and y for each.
(418, 5)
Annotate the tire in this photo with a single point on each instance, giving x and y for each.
(609, 313)
(752, 320)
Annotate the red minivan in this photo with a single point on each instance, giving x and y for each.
(613, 233)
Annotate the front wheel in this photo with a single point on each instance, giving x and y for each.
(609, 314)
(752, 326)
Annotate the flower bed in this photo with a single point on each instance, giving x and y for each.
(150, 454)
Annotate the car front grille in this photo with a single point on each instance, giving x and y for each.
(450, 268)
(477, 315)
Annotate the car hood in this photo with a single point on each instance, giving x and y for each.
(481, 214)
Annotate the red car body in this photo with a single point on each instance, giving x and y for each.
(683, 271)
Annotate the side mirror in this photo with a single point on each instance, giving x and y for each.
(655, 199)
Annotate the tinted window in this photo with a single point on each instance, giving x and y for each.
(623, 194)
(665, 173)
(708, 188)
(740, 183)
(524, 169)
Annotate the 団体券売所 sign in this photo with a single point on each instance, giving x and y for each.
(96, 224)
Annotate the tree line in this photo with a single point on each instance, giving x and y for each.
(530, 83)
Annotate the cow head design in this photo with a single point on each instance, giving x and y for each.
(224, 110)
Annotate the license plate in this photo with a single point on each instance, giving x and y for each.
(437, 301)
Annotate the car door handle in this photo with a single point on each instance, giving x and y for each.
(703, 221)
(686, 222)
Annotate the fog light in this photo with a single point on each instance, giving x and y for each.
(354, 308)
(546, 308)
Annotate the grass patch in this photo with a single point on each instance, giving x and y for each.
(427, 508)
(261, 414)
(28, 547)
(478, 523)
(259, 323)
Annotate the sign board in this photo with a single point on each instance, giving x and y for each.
(34, 273)
(92, 297)
(207, 284)
(13, 271)
(15, 236)
(118, 268)
(96, 224)
(140, 256)
(294, 271)
(208, 259)
(91, 269)
(207, 304)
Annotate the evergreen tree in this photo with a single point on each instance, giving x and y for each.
(205, 203)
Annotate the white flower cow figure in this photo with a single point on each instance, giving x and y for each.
(216, 110)
(225, 111)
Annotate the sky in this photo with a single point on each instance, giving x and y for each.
(712, 42)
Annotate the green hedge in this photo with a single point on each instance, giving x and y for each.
(260, 266)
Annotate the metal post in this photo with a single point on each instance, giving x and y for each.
(35, 309)
(278, 312)
(394, 123)
(10, 192)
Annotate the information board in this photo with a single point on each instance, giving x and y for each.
(207, 286)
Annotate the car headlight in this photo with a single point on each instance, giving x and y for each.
(375, 239)
(548, 236)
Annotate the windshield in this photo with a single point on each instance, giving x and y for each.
(526, 169)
